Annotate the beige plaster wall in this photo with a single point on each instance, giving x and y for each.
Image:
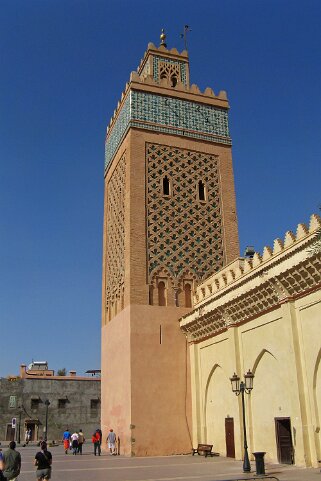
(267, 349)
(160, 383)
(283, 349)
(145, 382)
(308, 312)
(116, 376)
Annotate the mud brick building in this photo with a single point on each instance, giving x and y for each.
(74, 402)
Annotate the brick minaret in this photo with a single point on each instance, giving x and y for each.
(169, 222)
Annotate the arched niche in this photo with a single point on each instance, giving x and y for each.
(269, 399)
(219, 403)
(317, 402)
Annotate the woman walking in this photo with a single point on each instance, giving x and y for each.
(43, 461)
(96, 441)
(74, 443)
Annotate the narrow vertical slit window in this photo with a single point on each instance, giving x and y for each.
(122, 299)
(161, 294)
(173, 80)
(160, 334)
(188, 295)
(151, 291)
(201, 191)
(166, 186)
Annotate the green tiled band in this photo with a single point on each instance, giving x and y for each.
(168, 115)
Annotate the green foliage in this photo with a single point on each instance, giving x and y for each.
(62, 372)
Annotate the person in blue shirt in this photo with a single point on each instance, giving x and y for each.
(66, 440)
(1, 465)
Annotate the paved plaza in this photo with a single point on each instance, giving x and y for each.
(170, 468)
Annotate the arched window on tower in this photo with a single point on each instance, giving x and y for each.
(188, 294)
(166, 186)
(201, 191)
(161, 293)
(151, 292)
(173, 80)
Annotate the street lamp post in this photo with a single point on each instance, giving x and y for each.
(47, 404)
(241, 388)
(19, 426)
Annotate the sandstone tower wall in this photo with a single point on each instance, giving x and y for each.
(170, 222)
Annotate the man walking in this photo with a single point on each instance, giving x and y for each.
(11, 463)
(111, 440)
(81, 440)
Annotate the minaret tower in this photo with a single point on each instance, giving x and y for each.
(169, 222)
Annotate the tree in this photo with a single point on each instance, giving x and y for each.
(62, 372)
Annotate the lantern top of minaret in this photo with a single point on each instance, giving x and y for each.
(161, 63)
(163, 74)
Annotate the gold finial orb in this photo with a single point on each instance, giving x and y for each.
(163, 38)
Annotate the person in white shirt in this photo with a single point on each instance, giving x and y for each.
(74, 443)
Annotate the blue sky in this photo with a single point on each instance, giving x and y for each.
(64, 64)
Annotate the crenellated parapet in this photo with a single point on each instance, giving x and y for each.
(159, 97)
(245, 288)
(207, 96)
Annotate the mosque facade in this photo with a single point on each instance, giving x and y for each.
(170, 249)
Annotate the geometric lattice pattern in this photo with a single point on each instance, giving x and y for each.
(115, 261)
(167, 70)
(183, 233)
(170, 115)
(160, 63)
(252, 303)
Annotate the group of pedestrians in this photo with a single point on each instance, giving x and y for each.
(73, 441)
(111, 442)
(10, 460)
(76, 440)
(10, 463)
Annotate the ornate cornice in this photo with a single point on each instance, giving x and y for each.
(244, 291)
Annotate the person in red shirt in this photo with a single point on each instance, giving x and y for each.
(96, 440)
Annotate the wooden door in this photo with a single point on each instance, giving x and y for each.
(284, 440)
(11, 433)
(32, 426)
(229, 437)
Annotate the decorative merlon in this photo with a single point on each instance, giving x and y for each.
(152, 49)
(254, 296)
(241, 267)
(147, 75)
(150, 81)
